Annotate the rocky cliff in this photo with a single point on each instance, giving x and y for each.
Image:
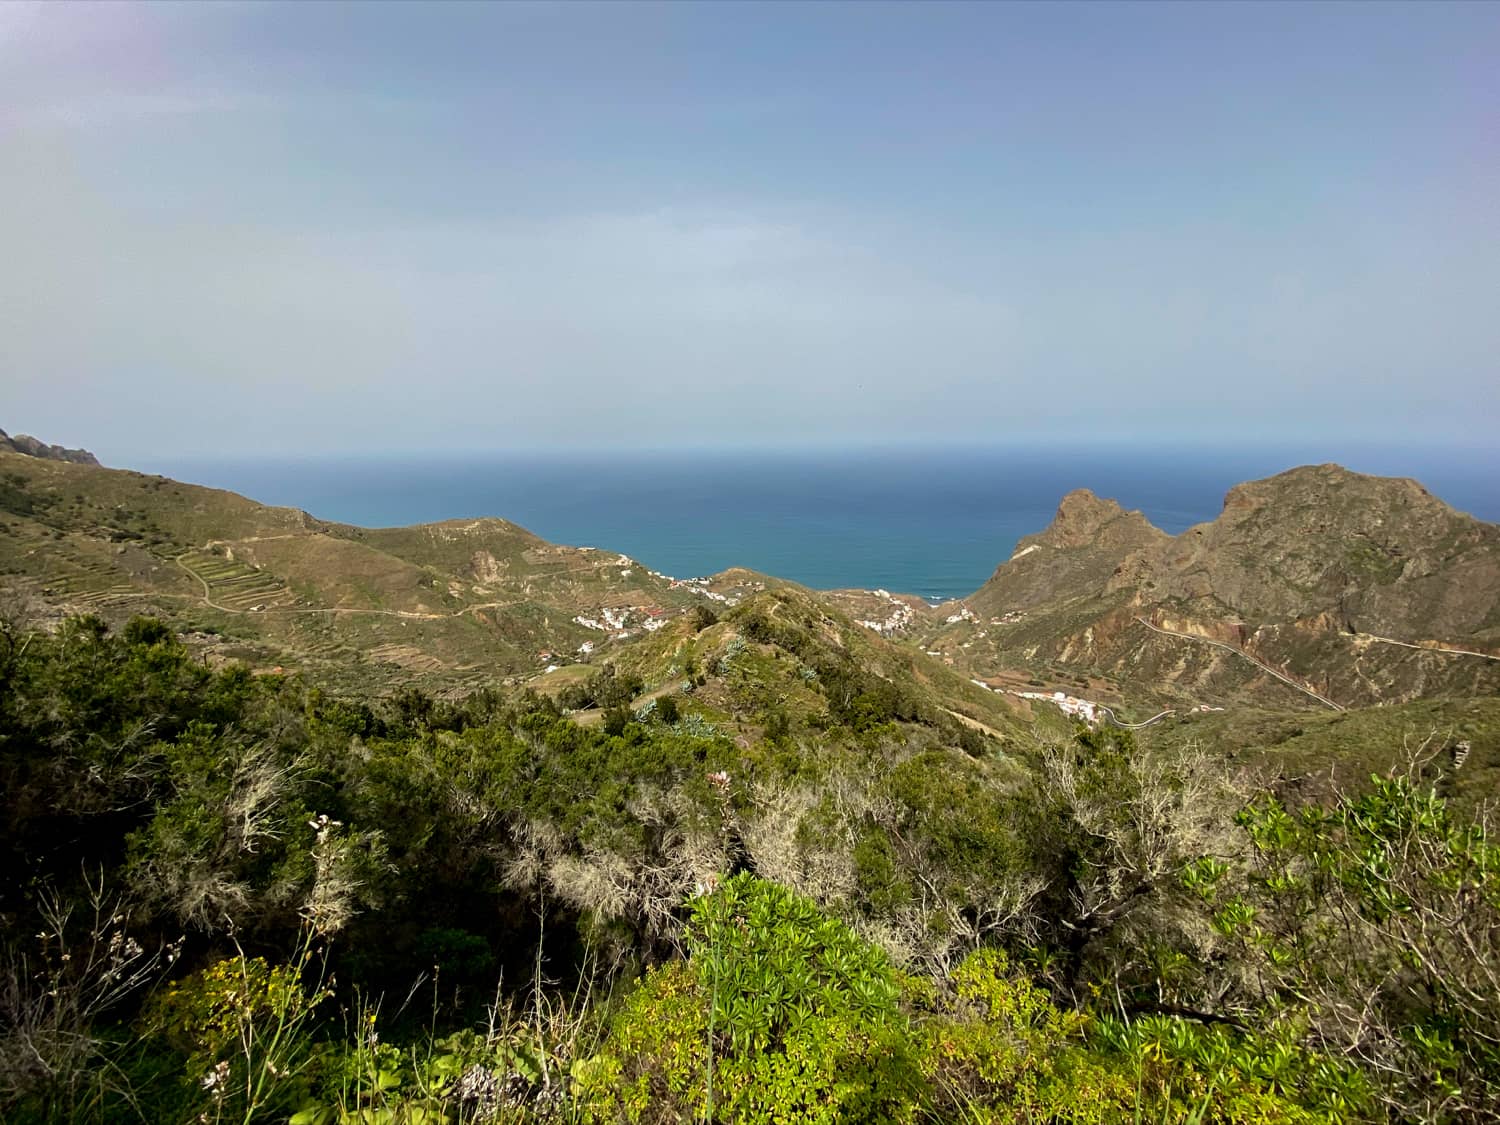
(31, 447)
(1373, 554)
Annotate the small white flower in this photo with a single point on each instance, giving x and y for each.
(217, 1079)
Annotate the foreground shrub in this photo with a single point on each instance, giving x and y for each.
(1376, 922)
(1001, 1051)
(245, 1029)
(1189, 1071)
(780, 1014)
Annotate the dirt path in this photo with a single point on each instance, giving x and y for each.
(1262, 665)
(974, 724)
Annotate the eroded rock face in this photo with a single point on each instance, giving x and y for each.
(1085, 520)
(31, 447)
(1377, 554)
(1076, 555)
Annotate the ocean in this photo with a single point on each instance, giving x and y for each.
(931, 521)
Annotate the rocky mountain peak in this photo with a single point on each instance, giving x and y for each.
(1079, 550)
(1084, 519)
(1328, 484)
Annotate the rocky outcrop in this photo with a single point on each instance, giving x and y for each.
(31, 447)
(1085, 520)
(1075, 556)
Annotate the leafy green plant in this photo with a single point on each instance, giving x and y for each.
(780, 1014)
(464, 1077)
(1000, 1051)
(1186, 1070)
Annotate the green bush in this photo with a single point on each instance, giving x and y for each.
(667, 710)
(1002, 1052)
(1184, 1070)
(245, 1029)
(1375, 921)
(780, 1014)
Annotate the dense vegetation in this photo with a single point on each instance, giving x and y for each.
(235, 897)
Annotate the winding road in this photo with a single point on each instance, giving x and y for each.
(1132, 726)
(1262, 665)
(1425, 648)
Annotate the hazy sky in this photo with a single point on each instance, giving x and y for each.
(259, 228)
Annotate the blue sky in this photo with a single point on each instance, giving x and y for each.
(255, 229)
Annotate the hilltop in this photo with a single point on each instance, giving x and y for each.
(1076, 554)
(1318, 586)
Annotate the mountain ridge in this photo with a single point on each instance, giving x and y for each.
(1346, 582)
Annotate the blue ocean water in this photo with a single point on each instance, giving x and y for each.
(926, 521)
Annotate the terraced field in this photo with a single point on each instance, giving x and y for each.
(232, 585)
(87, 585)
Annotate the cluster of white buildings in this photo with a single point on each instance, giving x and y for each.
(700, 586)
(964, 614)
(1083, 709)
(901, 615)
(608, 621)
(1067, 704)
(617, 622)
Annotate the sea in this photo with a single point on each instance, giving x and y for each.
(933, 521)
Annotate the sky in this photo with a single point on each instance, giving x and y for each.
(259, 229)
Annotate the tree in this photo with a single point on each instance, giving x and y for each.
(616, 719)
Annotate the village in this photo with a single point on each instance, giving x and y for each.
(901, 616)
(617, 621)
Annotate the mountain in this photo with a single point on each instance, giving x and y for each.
(31, 447)
(1382, 555)
(1318, 586)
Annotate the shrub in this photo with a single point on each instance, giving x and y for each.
(245, 1029)
(1184, 1070)
(781, 1014)
(1003, 1052)
(616, 719)
(1377, 921)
